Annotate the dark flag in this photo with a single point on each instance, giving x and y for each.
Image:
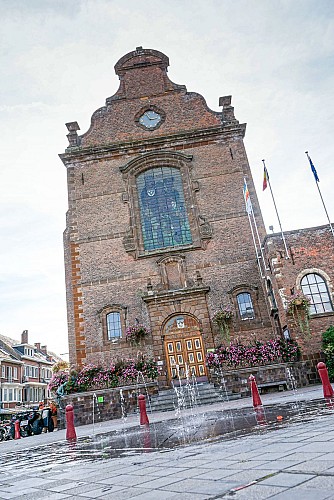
(313, 168)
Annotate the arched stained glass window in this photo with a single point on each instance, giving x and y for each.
(315, 288)
(245, 305)
(163, 214)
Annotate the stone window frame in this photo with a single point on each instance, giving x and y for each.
(163, 263)
(116, 308)
(201, 230)
(253, 291)
(328, 283)
(150, 107)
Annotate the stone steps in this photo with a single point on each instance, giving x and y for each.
(188, 396)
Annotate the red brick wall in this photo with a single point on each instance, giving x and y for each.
(310, 250)
(100, 271)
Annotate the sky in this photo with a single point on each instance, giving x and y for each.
(275, 57)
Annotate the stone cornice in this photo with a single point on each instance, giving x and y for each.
(181, 140)
(170, 295)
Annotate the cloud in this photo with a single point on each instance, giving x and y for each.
(57, 59)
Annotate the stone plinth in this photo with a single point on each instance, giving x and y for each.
(278, 376)
(108, 404)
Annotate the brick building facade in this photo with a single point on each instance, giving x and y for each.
(309, 269)
(157, 231)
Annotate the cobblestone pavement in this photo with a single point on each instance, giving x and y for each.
(293, 462)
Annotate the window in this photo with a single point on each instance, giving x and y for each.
(114, 327)
(245, 306)
(271, 296)
(15, 373)
(315, 288)
(163, 215)
(9, 373)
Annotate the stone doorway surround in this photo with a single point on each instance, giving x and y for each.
(190, 306)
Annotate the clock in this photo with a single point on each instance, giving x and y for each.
(150, 119)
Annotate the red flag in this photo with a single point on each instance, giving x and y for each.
(265, 179)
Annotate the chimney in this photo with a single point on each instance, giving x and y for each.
(44, 349)
(24, 337)
(38, 346)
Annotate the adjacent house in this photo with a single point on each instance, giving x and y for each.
(26, 370)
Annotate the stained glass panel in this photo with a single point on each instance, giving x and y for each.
(163, 214)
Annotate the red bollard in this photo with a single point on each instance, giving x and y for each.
(147, 438)
(260, 415)
(326, 385)
(70, 429)
(142, 410)
(17, 434)
(255, 392)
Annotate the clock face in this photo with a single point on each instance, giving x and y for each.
(150, 119)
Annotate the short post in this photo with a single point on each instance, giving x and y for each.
(70, 429)
(260, 415)
(326, 385)
(255, 392)
(142, 410)
(17, 434)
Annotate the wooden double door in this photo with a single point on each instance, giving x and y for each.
(185, 357)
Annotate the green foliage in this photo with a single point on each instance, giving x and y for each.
(328, 348)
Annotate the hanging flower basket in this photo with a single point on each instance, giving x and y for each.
(135, 333)
(222, 318)
(297, 300)
(298, 307)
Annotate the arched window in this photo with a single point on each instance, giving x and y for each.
(315, 288)
(246, 309)
(163, 214)
(114, 326)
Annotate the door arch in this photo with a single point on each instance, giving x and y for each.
(184, 348)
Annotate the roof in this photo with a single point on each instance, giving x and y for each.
(8, 350)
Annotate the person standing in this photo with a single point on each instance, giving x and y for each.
(54, 417)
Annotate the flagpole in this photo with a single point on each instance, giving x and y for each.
(260, 246)
(316, 178)
(255, 246)
(249, 210)
(279, 220)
